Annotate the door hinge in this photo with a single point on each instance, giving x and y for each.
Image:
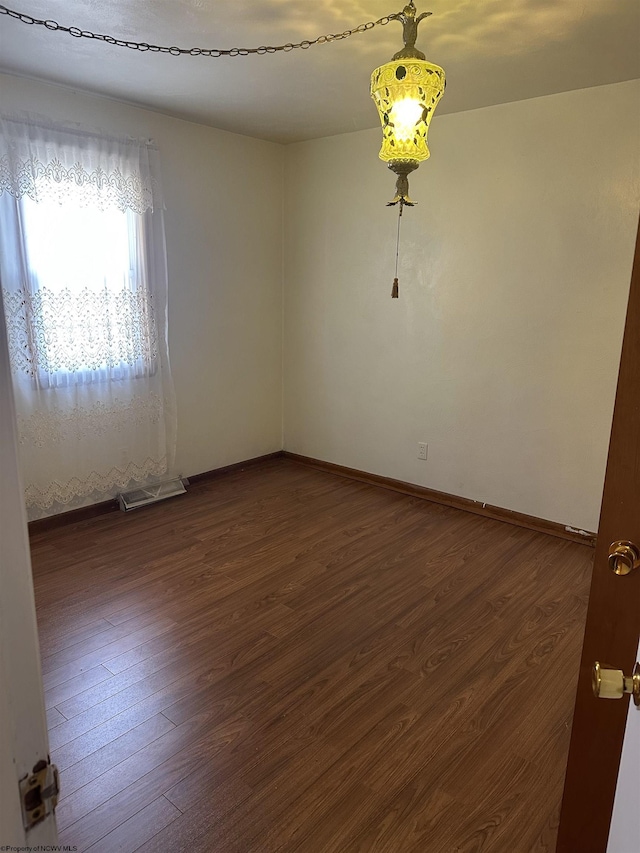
(39, 793)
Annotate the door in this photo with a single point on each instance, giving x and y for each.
(23, 733)
(613, 618)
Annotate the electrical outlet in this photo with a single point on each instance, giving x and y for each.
(422, 450)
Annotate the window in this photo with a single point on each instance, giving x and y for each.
(91, 311)
(84, 283)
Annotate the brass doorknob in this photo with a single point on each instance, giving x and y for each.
(624, 557)
(613, 683)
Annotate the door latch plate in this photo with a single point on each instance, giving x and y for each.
(39, 793)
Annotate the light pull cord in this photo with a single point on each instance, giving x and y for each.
(394, 289)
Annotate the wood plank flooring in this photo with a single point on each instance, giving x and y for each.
(285, 660)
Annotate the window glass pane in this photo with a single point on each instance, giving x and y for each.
(73, 247)
(91, 310)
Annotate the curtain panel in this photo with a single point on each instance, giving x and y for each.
(84, 282)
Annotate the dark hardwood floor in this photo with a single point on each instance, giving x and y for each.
(287, 660)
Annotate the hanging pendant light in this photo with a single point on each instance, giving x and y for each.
(406, 92)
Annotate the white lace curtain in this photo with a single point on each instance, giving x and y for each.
(84, 283)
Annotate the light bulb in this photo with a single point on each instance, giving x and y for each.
(405, 115)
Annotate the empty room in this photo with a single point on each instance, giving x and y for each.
(319, 432)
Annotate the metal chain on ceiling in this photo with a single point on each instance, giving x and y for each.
(214, 53)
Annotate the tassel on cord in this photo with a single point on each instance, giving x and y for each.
(394, 289)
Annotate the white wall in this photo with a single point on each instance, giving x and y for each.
(224, 247)
(503, 347)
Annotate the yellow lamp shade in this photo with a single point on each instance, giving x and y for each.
(406, 93)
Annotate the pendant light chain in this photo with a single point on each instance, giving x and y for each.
(394, 289)
(214, 53)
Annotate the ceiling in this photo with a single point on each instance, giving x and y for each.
(493, 51)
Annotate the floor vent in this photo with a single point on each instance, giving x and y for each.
(150, 494)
